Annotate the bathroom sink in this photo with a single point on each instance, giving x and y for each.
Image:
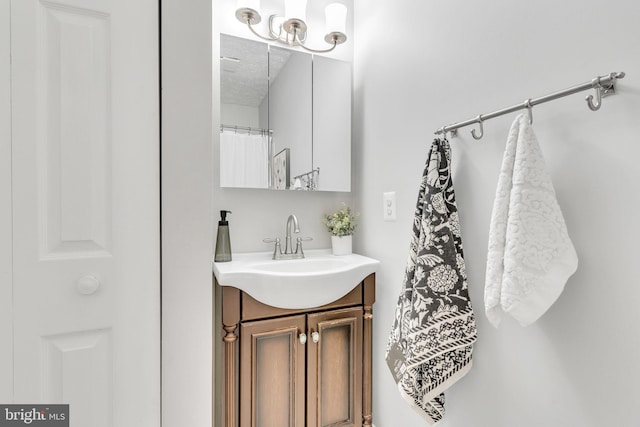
(304, 266)
(317, 279)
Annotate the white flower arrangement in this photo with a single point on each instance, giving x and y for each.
(341, 223)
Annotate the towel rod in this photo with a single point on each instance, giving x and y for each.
(310, 173)
(245, 128)
(604, 86)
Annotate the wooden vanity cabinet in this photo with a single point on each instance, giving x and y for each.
(296, 368)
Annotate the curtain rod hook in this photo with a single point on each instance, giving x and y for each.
(473, 131)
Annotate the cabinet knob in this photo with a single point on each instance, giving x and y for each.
(315, 337)
(303, 338)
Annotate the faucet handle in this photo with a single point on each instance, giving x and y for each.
(299, 241)
(277, 250)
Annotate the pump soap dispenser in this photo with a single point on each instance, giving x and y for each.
(223, 244)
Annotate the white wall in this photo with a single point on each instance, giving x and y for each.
(6, 278)
(448, 61)
(187, 214)
(240, 115)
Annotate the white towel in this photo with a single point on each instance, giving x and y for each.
(530, 253)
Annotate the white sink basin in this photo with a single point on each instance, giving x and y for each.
(317, 279)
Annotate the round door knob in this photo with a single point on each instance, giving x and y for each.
(87, 285)
(315, 337)
(303, 338)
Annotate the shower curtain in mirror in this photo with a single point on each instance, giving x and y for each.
(244, 160)
(430, 344)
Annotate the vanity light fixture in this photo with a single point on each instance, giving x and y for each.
(292, 28)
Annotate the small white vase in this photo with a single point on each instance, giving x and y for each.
(341, 245)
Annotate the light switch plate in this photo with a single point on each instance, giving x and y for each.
(389, 206)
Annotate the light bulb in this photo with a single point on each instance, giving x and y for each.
(295, 9)
(336, 15)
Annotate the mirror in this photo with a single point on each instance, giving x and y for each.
(332, 122)
(285, 116)
(290, 115)
(244, 88)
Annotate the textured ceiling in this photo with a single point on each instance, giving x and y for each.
(244, 70)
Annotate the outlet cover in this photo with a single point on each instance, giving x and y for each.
(389, 206)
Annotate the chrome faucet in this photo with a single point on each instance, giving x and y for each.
(292, 222)
(287, 240)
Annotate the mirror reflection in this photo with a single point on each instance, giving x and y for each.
(286, 118)
(290, 107)
(245, 138)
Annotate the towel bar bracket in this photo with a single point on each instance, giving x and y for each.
(609, 89)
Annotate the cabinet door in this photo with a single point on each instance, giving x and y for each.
(334, 364)
(272, 373)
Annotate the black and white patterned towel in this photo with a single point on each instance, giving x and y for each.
(430, 344)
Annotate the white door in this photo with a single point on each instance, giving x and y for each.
(85, 184)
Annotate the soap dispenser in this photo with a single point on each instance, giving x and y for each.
(223, 244)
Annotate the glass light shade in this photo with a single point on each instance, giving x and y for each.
(251, 4)
(295, 9)
(336, 15)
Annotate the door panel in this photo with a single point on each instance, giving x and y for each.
(85, 174)
(272, 373)
(334, 382)
(82, 358)
(74, 148)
